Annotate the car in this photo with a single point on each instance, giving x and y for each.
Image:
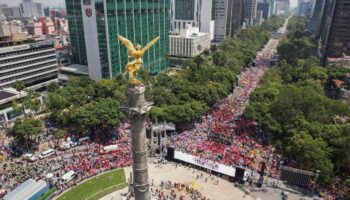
(30, 157)
(65, 146)
(83, 140)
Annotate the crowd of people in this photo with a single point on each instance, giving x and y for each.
(223, 135)
(86, 161)
(168, 190)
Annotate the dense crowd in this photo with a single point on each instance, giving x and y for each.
(223, 135)
(86, 161)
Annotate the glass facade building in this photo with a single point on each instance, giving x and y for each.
(75, 24)
(138, 20)
(184, 9)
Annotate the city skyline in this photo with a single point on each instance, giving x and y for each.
(56, 3)
(61, 3)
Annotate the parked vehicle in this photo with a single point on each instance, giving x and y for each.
(47, 153)
(30, 157)
(67, 177)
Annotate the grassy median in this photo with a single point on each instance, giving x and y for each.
(97, 186)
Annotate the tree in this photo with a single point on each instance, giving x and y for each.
(52, 87)
(312, 154)
(102, 113)
(58, 135)
(26, 129)
(19, 86)
(32, 102)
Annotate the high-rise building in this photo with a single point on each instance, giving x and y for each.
(282, 6)
(194, 12)
(33, 64)
(272, 9)
(335, 38)
(222, 13)
(31, 9)
(303, 7)
(315, 21)
(259, 17)
(47, 11)
(237, 16)
(265, 8)
(326, 13)
(250, 12)
(95, 24)
(12, 11)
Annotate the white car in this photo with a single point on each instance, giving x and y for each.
(30, 157)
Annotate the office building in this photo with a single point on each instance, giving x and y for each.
(250, 12)
(237, 16)
(189, 42)
(335, 34)
(58, 13)
(47, 11)
(7, 29)
(316, 18)
(303, 7)
(94, 26)
(282, 6)
(194, 12)
(259, 17)
(265, 8)
(33, 63)
(272, 9)
(35, 28)
(31, 9)
(222, 14)
(13, 12)
(47, 25)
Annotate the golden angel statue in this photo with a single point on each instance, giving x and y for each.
(134, 65)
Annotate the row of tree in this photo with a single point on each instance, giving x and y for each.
(291, 106)
(186, 95)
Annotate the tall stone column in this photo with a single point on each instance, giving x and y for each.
(138, 109)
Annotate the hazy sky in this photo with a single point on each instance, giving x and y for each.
(293, 3)
(62, 4)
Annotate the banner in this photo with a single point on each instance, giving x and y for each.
(208, 164)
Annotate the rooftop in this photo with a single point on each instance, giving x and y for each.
(5, 94)
(76, 69)
(10, 94)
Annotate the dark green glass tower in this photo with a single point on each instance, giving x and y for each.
(75, 24)
(102, 20)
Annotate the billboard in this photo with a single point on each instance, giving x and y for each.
(208, 164)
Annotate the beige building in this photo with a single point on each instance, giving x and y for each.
(8, 29)
(259, 17)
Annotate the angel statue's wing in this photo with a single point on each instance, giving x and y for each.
(127, 43)
(150, 44)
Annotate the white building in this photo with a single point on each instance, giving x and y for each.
(34, 64)
(31, 9)
(198, 13)
(189, 42)
(223, 20)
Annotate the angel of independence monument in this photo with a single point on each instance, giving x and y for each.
(137, 111)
